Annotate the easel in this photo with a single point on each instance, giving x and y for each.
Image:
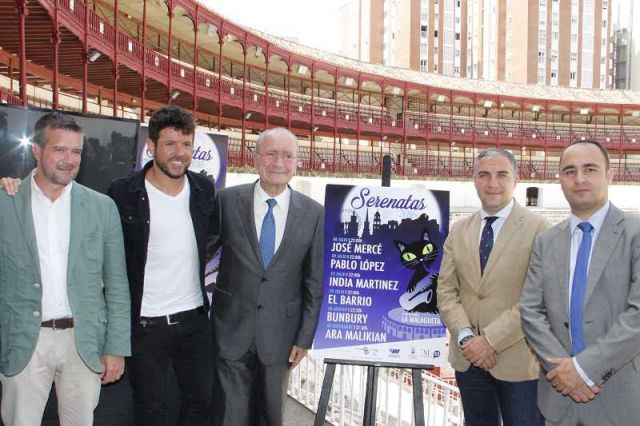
(371, 393)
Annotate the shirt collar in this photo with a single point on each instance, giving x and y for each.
(261, 196)
(35, 189)
(503, 213)
(596, 220)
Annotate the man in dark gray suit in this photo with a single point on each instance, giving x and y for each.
(268, 292)
(581, 301)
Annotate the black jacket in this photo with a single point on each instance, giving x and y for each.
(132, 200)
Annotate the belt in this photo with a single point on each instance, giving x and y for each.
(58, 324)
(172, 319)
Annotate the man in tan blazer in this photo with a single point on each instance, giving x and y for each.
(483, 269)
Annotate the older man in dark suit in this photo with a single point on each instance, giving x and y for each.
(267, 297)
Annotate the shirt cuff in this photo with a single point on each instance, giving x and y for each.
(581, 373)
(465, 332)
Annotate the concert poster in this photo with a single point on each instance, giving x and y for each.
(383, 249)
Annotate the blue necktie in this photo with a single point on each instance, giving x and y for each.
(486, 242)
(578, 288)
(268, 234)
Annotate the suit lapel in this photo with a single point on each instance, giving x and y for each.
(22, 203)
(604, 245)
(78, 226)
(562, 242)
(294, 216)
(472, 250)
(506, 236)
(245, 212)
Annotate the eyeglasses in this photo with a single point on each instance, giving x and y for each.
(274, 155)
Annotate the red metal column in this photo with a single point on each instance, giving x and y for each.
(450, 128)
(313, 132)
(427, 127)
(571, 122)
(85, 60)
(244, 97)
(266, 88)
(474, 129)
(499, 114)
(169, 52)
(143, 83)
(521, 133)
(620, 152)
(11, 75)
(221, 42)
(405, 101)
(359, 106)
(335, 119)
(194, 93)
(546, 148)
(55, 30)
(289, 93)
(116, 45)
(23, 11)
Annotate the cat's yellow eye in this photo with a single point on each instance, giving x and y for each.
(408, 257)
(427, 249)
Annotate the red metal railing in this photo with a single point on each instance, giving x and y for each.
(414, 120)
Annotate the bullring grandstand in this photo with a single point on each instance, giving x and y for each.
(124, 58)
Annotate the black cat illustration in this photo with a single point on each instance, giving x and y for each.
(420, 295)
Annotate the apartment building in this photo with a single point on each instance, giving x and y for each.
(547, 42)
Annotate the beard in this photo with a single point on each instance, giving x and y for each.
(173, 171)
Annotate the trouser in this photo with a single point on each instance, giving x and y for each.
(55, 360)
(592, 413)
(248, 392)
(188, 346)
(485, 400)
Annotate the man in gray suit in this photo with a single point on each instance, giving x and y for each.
(268, 292)
(581, 301)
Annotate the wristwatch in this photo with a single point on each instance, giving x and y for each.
(465, 339)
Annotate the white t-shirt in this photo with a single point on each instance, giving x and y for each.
(171, 274)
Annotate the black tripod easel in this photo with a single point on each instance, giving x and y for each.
(369, 417)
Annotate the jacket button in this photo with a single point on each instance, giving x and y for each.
(36, 285)
(130, 217)
(36, 313)
(263, 280)
(259, 306)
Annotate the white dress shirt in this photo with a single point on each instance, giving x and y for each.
(501, 215)
(596, 220)
(496, 226)
(280, 211)
(52, 224)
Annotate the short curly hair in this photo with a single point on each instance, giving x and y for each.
(170, 116)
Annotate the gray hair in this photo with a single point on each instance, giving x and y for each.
(496, 152)
(276, 133)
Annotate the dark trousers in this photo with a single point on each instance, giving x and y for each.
(486, 399)
(188, 346)
(249, 393)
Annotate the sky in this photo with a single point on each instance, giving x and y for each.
(312, 22)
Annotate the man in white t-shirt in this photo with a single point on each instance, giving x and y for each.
(167, 217)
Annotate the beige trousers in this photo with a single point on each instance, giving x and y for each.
(55, 359)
